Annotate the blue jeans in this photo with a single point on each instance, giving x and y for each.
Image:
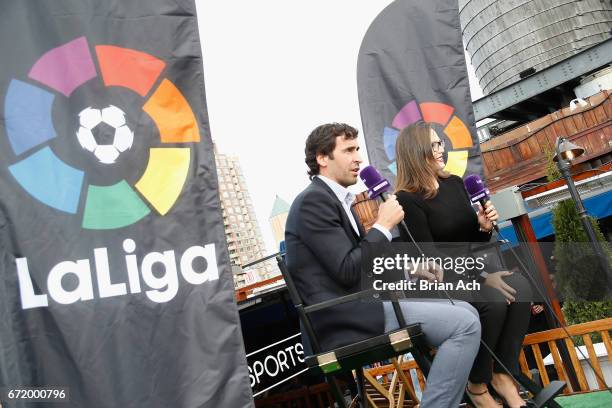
(455, 331)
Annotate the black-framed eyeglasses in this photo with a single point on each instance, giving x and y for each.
(438, 145)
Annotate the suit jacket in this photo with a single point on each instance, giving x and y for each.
(324, 259)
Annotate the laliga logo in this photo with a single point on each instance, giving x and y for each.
(438, 113)
(102, 133)
(163, 287)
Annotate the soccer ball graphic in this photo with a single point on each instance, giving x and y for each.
(104, 132)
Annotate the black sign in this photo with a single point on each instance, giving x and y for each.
(411, 67)
(114, 271)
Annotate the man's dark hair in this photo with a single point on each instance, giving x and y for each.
(322, 140)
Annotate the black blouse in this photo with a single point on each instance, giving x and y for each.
(447, 217)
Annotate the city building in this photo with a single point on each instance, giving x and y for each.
(242, 232)
(278, 218)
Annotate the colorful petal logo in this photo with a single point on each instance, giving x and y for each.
(438, 113)
(47, 178)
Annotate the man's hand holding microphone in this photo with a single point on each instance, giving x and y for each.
(390, 213)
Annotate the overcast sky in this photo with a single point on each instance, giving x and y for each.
(274, 70)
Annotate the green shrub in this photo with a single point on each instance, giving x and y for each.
(552, 172)
(582, 312)
(578, 274)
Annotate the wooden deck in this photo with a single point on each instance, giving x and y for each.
(518, 156)
(556, 338)
(390, 386)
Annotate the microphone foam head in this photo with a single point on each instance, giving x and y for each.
(370, 176)
(374, 181)
(476, 188)
(473, 184)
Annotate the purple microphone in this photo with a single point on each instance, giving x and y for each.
(476, 189)
(379, 187)
(478, 192)
(376, 184)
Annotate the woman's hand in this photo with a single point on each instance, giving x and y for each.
(487, 216)
(495, 280)
(431, 272)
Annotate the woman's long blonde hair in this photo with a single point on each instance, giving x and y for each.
(417, 170)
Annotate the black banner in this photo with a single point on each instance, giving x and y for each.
(114, 272)
(412, 67)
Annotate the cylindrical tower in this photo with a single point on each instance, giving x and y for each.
(511, 39)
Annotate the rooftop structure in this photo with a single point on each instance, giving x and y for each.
(511, 40)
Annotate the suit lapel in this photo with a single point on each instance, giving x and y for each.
(346, 223)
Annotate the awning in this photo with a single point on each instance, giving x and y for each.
(598, 206)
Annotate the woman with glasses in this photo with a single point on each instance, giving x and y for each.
(437, 209)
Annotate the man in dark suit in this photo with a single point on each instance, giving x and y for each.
(324, 240)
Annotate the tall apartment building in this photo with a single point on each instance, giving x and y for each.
(242, 231)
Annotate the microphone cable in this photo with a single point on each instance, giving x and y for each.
(549, 305)
(450, 299)
(373, 178)
(474, 183)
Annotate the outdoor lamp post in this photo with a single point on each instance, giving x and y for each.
(565, 152)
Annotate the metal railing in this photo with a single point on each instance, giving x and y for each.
(273, 279)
